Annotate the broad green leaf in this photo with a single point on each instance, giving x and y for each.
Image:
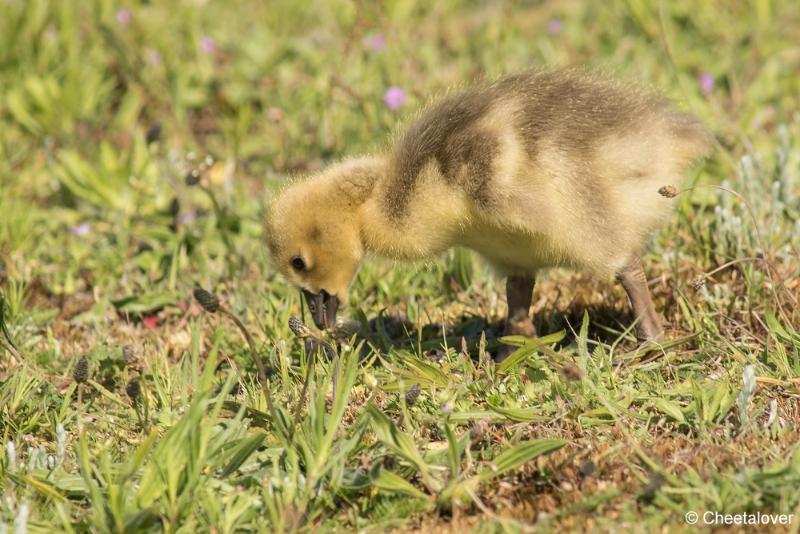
(508, 460)
(476, 415)
(669, 408)
(453, 452)
(715, 406)
(42, 487)
(139, 455)
(145, 303)
(520, 454)
(242, 451)
(388, 481)
(776, 327)
(528, 347)
(519, 341)
(583, 335)
(416, 370)
(16, 105)
(401, 444)
(521, 414)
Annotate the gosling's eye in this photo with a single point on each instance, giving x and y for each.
(298, 264)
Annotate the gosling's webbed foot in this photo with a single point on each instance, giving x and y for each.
(650, 332)
(634, 281)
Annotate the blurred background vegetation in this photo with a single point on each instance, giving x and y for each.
(275, 88)
(139, 144)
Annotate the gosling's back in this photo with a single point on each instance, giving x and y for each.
(565, 163)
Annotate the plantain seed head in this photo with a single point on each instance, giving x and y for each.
(668, 191)
(207, 300)
(298, 327)
(412, 394)
(134, 389)
(81, 372)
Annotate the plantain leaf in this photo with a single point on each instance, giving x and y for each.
(145, 303)
(242, 451)
(475, 415)
(16, 105)
(776, 327)
(521, 414)
(519, 341)
(528, 347)
(510, 459)
(670, 408)
(715, 406)
(43, 487)
(521, 454)
(418, 371)
(388, 481)
(401, 444)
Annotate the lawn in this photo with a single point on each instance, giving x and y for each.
(140, 145)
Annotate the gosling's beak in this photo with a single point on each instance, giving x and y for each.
(323, 308)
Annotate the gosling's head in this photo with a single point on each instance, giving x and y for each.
(314, 236)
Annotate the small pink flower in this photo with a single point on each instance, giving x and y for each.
(275, 114)
(554, 26)
(375, 42)
(208, 44)
(82, 230)
(706, 82)
(152, 57)
(150, 321)
(394, 97)
(188, 217)
(123, 17)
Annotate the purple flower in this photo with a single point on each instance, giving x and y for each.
(554, 26)
(81, 230)
(706, 82)
(123, 16)
(188, 217)
(208, 44)
(375, 42)
(394, 97)
(152, 57)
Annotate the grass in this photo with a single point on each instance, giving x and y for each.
(139, 144)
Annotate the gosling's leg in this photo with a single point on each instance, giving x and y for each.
(519, 292)
(635, 283)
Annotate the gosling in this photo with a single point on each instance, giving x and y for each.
(532, 171)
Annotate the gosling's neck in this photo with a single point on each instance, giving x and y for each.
(386, 237)
(426, 227)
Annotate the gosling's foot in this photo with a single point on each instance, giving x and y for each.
(650, 330)
(518, 327)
